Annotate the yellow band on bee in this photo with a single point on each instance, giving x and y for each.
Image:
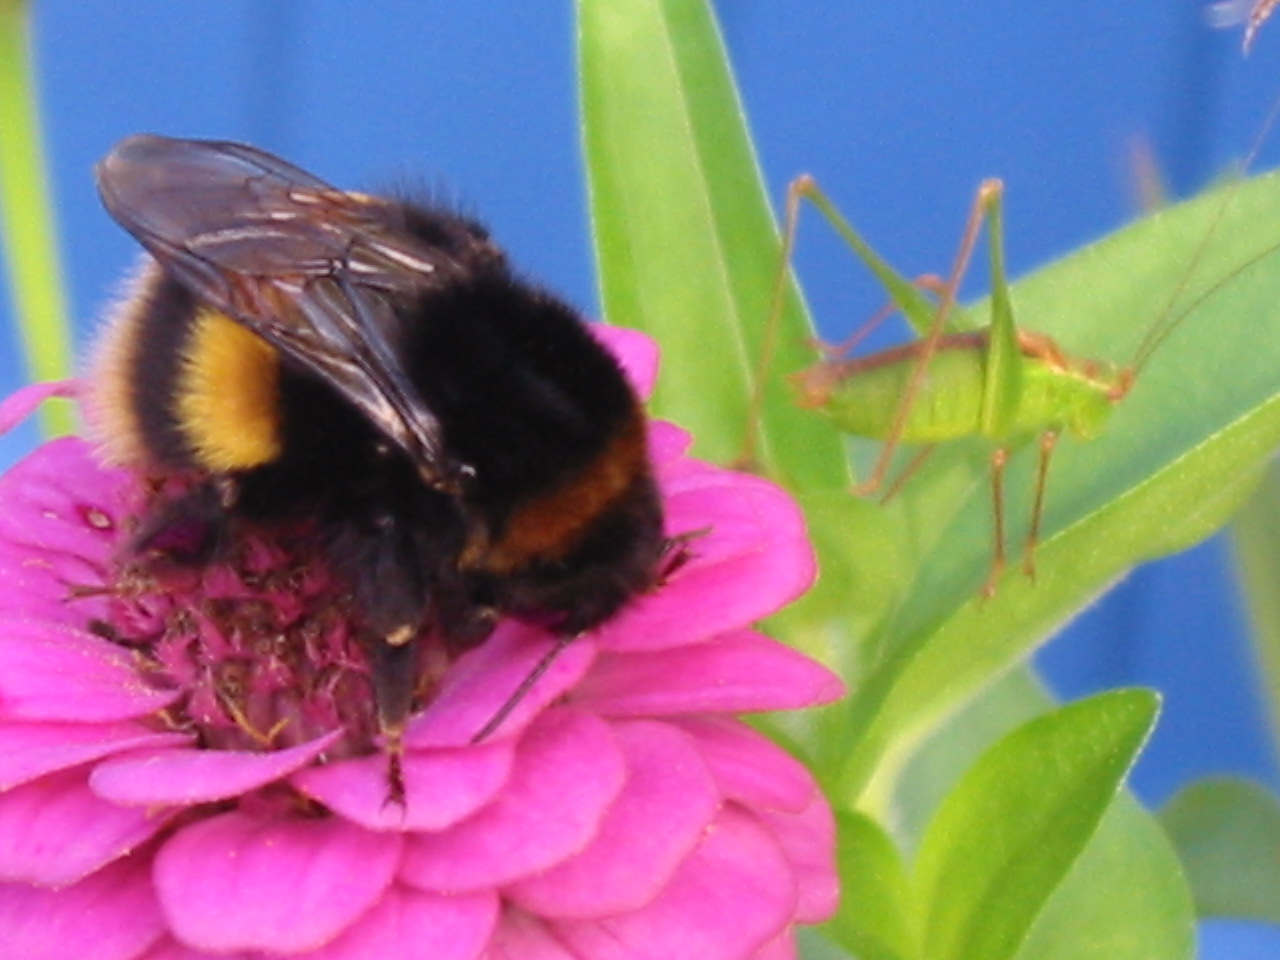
(228, 395)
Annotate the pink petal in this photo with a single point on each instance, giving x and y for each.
(667, 444)
(52, 672)
(60, 501)
(111, 915)
(39, 585)
(636, 352)
(654, 824)
(169, 949)
(22, 403)
(412, 925)
(522, 937)
(753, 559)
(441, 786)
(568, 770)
(243, 882)
(732, 896)
(184, 777)
(734, 673)
(30, 750)
(808, 840)
(481, 682)
(54, 831)
(781, 947)
(750, 767)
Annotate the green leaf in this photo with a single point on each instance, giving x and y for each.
(684, 237)
(1182, 451)
(1228, 835)
(1256, 538)
(875, 918)
(1007, 835)
(815, 945)
(26, 213)
(1125, 899)
(954, 747)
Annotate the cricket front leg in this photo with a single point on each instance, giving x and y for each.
(1048, 441)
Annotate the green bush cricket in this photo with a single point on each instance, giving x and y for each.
(999, 382)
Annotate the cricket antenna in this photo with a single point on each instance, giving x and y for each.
(1231, 13)
(1161, 330)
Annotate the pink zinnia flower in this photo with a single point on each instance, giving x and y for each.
(193, 771)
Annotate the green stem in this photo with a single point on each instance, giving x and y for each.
(26, 213)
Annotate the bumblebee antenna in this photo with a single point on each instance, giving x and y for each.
(520, 692)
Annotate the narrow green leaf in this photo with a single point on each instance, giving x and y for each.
(1010, 831)
(1256, 539)
(26, 213)
(685, 241)
(876, 913)
(1228, 835)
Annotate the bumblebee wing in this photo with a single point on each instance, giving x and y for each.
(307, 267)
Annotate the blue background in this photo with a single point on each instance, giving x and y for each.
(899, 108)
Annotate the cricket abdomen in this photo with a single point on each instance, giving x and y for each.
(864, 396)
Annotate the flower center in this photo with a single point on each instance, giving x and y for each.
(261, 640)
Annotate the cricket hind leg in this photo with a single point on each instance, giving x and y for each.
(1000, 391)
(930, 320)
(1048, 443)
(929, 282)
(926, 317)
(921, 312)
(908, 300)
(908, 472)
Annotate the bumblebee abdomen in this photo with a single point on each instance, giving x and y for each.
(181, 385)
(227, 395)
(525, 395)
(550, 527)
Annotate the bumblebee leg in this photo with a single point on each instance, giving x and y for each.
(394, 676)
(189, 530)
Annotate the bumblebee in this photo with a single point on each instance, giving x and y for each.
(462, 445)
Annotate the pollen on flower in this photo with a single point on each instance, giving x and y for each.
(190, 760)
(259, 643)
